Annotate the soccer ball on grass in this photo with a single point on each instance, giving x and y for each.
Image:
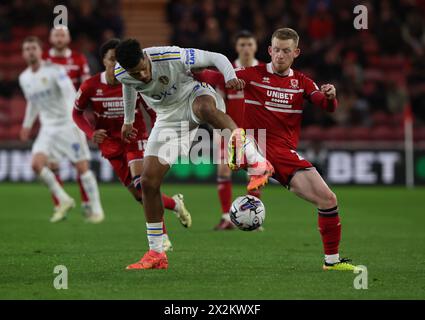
(247, 213)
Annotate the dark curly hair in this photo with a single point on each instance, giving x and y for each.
(108, 45)
(129, 53)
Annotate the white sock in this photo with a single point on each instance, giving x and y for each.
(251, 151)
(164, 237)
(177, 207)
(48, 177)
(88, 180)
(225, 216)
(155, 236)
(332, 258)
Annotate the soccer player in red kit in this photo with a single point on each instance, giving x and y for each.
(77, 68)
(103, 94)
(274, 96)
(246, 47)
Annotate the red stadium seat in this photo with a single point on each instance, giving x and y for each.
(17, 109)
(359, 133)
(312, 133)
(381, 118)
(383, 133)
(336, 133)
(419, 134)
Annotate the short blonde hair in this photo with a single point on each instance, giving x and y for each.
(286, 34)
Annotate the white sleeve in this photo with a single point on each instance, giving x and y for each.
(130, 96)
(31, 110)
(66, 87)
(31, 113)
(195, 58)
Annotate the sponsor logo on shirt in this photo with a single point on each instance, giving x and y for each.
(164, 94)
(190, 56)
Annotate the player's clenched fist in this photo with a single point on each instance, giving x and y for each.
(235, 84)
(128, 132)
(329, 91)
(99, 136)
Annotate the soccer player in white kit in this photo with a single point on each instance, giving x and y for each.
(50, 95)
(162, 75)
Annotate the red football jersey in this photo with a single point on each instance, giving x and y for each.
(275, 103)
(74, 62)
(234, 98)
(107, 104)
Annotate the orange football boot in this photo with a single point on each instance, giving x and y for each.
(151, 260)
(256, 181)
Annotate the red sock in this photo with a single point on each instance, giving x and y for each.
(164, 229)
(84, 197)
(224, 187)
(169, 202)
(330, 229)
(255, 193)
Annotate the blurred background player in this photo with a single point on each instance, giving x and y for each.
(77, 68)
(103, 94)
(246, 48)
(50, 94)
(274, 98)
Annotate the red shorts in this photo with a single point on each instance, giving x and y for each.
(286, 163)
(236, 113)
(121, 154)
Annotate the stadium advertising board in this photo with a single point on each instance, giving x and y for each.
(339, 167)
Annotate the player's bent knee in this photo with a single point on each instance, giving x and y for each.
(328, 200)
(82, 167)
(206, 108)
(36, 167)
(150, 184)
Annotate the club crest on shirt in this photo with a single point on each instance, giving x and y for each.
(266, 79)
(99, 92)
(164, 80)
(294, 84)
(44, 80)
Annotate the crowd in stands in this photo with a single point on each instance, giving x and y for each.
(377, 71)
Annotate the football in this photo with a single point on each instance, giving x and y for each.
(247, 213)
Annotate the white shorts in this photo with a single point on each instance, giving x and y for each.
(170, 139)
(62, 142)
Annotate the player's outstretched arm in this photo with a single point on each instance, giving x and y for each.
(195, 59)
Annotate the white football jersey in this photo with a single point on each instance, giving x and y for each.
(49, 93)
(172, 81)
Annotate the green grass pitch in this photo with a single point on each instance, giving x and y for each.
(383, 229)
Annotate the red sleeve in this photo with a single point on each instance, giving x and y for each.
(320, 100)
(214, 78)
(243, 74)
(82, 102)
(313, 94)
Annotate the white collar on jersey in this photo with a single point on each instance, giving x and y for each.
(103, 78)
(238, 64)
(68, 52)
(270, 70)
